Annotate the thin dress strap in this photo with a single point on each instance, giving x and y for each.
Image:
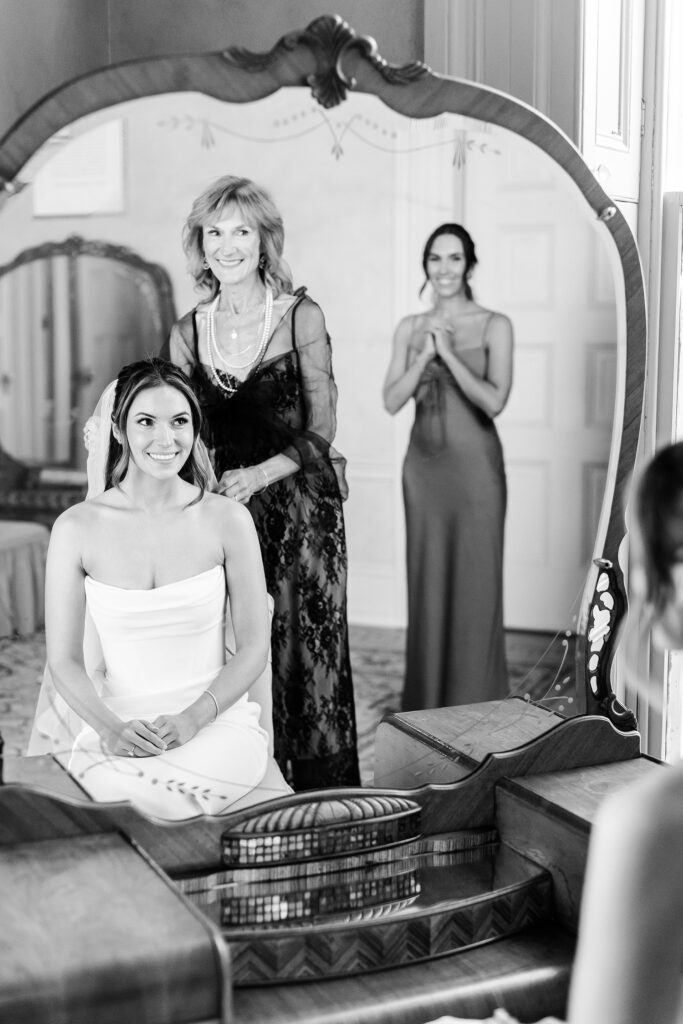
(195, 336)
(484, 336)
(300, 294)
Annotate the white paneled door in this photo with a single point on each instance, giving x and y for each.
(543, 263)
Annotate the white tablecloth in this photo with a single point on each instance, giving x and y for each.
(23, 547)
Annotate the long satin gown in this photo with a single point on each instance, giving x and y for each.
(161, 649)
(455, 498)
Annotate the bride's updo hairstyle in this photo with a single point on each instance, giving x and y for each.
(258, 210)
(468, 248)
(137, 377)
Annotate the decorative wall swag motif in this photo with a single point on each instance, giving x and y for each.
(379, 135)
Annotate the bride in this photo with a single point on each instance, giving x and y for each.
(165, 720)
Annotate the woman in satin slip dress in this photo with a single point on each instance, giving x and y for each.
(260, 360)
(166, 719)
(455, 361)
(627, 968)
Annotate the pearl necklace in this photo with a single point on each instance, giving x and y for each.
(234, 333)
(214, 351)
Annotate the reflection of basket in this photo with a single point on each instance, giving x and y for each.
(321, 828)
(345, 899)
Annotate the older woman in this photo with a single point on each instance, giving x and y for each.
(259, 357)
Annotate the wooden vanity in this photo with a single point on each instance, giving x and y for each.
(370, 905)
(451, 886)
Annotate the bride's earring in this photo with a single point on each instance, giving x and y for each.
(205, 263)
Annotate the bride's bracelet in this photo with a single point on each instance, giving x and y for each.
(218, 710)
(265, 477)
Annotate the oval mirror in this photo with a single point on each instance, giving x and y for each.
(362, 170)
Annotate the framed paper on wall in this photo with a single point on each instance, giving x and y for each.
(85, 177)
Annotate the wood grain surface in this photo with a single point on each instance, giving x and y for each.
(416, 748)
(28, 813)
(527, 974)
(548, 818)
(91, 932)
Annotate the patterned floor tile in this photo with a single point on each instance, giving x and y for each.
(377, 665)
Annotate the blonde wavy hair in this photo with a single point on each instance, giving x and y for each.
(258, 210)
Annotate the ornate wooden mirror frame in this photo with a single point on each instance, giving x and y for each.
(72, 250)
(331, 59)
(74, 247)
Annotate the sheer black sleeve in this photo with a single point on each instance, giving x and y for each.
(319, 392)
(181, 344)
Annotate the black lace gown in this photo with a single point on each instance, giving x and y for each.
(287, 405)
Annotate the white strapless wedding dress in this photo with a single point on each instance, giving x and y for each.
(161, 648)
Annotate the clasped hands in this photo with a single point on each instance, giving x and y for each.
(139, 737)
(438, 337)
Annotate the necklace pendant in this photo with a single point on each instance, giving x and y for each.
(233, 334)
(215, 352)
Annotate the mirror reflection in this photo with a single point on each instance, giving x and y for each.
(367, 189)
(83, 308)
(456, 362)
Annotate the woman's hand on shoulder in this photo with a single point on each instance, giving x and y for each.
(242, 484)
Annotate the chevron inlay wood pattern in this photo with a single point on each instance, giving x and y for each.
(455, 905)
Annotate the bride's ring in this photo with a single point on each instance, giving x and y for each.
(132, 751)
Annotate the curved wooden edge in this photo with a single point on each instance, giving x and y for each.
(575, 743)
(527, 973)
(303, 58)
(572, 743)
(219, 948)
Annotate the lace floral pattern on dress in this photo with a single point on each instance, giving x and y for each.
(287, 404)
